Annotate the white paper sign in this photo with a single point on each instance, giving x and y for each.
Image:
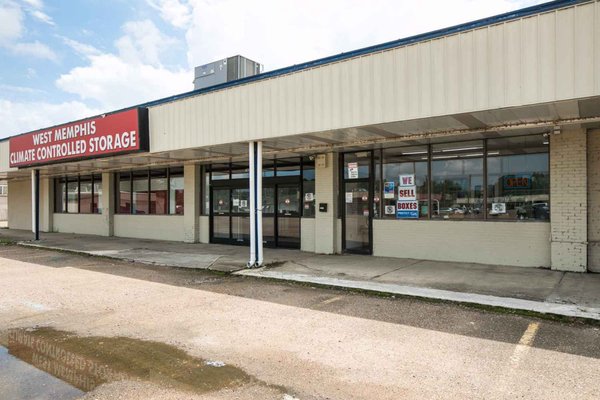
(498, 208)
(349, 197)
(407, 180)
(244, 203)
(309, 196)
(352, 170)
(407, 193)
(390, 210)
(236, 202)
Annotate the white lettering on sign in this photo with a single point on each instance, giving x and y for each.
(103, 135)
(407, 193)
(406, 180)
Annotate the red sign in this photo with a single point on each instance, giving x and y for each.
(113, 134)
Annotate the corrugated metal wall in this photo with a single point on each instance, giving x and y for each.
(543, 58)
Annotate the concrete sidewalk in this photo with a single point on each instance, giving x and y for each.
(529, 289)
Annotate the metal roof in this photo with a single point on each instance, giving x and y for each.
(524, 12)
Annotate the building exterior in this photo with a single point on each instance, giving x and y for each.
(477, 143)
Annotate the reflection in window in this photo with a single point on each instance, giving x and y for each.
(176, 191)
(457, 180)
(405, 161)
(97, 198)
(140, 192)
(72, 195)
(60, 195)
(124, 184)
(158, 191)
(518, 179)
(85, 194)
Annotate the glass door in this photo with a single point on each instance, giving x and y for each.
(221, 215)
(288, 215)
(357, 186)
(268, 216)
(240, 215)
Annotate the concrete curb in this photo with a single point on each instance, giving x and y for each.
(565, 310)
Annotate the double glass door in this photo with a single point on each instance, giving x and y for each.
(230, 217)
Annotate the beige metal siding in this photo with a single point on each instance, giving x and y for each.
(537, 59)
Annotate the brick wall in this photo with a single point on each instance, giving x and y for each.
(593, 161)
(568, 200)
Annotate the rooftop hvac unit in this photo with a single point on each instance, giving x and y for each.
(226, 70)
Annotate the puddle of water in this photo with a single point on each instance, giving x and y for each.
(83, 363)
(19, 380)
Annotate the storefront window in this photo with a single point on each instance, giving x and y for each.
(140, 192)
(155, 191)
(457, 180)
(60, 195)
(308, 187)
(124, 185)
(85, 194)
(158, 191)
(77, 194)
(518, 179)
(288, 167)
(219, 172)
(72, 195)
(97, 200)
(176, 191)
(239, 171)
(405, 179)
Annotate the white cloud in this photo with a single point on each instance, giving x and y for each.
(142, 43)
(19, 89)
(38, 4)
(42, 16)
(19, 117)
(80, 48)
(33, 49)
(114, 83)
(11, 22)
(133, 75)
(12, 29)
(175, 12)
(279, 33)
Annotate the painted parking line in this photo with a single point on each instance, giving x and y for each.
(524, 343)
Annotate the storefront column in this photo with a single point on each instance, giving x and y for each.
(191, 203)
(326, 192)
(108, 203)
(593, 161)
(568, 200)
(46, 204)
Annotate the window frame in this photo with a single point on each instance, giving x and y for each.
(379, 170)
(148, 176)
(75, 178)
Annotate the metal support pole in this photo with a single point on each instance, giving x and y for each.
(259, 206)
(35, 175)
(256, 235)
(252, 189)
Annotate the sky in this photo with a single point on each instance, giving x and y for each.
(62, 60)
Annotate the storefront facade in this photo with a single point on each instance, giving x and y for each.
(479, 143)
